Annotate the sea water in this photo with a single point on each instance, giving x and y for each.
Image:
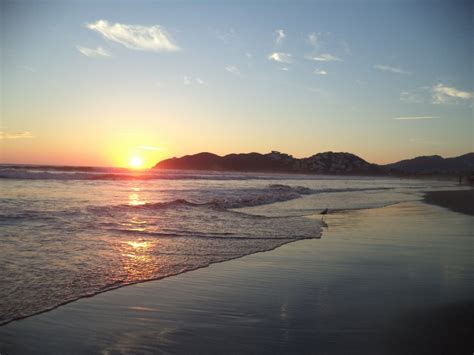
(67, 233)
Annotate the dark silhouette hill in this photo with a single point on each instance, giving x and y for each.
(434, 164)
(321, 163)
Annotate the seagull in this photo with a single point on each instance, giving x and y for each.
(323, 213)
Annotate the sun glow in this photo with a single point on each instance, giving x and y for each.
(136, 162)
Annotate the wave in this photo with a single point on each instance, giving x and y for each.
(184, 234)
(90, 173)
(94, 251)
(231, 200)
(247, 198)
(19, 174)
(27, 172)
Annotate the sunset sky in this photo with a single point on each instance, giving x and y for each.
(99, 82)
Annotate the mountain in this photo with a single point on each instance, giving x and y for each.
(337, 163)
(321, 163)
(433, 164)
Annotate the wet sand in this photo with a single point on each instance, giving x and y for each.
(393, 280)
(459, 201)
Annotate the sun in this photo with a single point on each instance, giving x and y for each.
(136, 162)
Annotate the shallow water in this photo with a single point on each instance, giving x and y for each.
(68, 233)
(393, 280)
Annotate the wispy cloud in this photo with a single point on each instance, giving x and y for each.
(226, 36)
(99, 52)
(233, 70)
(145, 38)
(320, 72)
(390, 69)
(284, 68)
(416, 96)
(190, 81)
(325, 57)
(313, 39)
(442, 94)
(409, 118)
(280, 57)
(437, 94)
(280, 37)
(15, 135)
(187, 80)
(323, 44)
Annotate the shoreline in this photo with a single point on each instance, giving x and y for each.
(111, 289)
(321, 294)
(461, 201)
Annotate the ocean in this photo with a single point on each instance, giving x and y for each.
(68, 233)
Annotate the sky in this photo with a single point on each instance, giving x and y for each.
(100, 83)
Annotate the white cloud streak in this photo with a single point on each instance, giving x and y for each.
(190, 81)
(233, 70)
(320, 72)
(15, 135)
(280, 57)
(280, 37)
(390, 69)
(409, 118)
(137, 37)
(313, 39)
(99, 52)
(326, 57)
(438, 94)
(442, 94)
(226, 36)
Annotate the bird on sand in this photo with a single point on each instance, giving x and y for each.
(323, 213)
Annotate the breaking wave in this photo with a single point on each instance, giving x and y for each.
(51, 262)
(89, 173)
(27, 172)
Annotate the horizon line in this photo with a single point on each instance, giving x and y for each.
(221, 156)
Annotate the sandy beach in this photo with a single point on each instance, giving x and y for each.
(459, 201)
(381, 281)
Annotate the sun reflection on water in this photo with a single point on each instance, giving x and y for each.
(134, 200)
(138, 245)
(138, 261)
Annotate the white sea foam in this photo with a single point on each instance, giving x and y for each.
(59, 261)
